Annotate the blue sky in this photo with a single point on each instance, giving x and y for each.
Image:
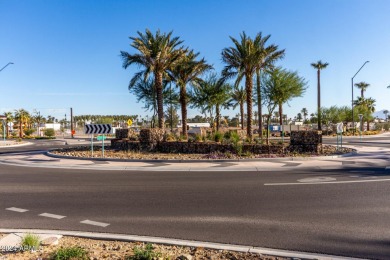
(66, 53)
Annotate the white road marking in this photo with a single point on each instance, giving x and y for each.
(330, 182)
(48, 215)
(17, 209)
(94, 223)
(317, 179)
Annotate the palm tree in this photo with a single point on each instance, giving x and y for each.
(366, 106)
(9, 119)
(363, 87)
(385, 112)
(187, 71)
(238, 98)
(319, 66)
(267, 59)
(305, 114)
(242, 61)
(212, 94)
(22, 116)
(157, 53)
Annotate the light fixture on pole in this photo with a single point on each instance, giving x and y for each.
(353, 121)
(9, 63)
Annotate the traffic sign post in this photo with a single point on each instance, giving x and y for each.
(339, 130)
(98, 129)
(102, 138)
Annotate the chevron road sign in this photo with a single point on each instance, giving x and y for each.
(98, 129)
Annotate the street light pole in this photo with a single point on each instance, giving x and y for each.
(9, 63)
(353, 121)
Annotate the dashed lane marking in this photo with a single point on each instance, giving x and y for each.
(48, 215)
(94, 223)
(17, 209)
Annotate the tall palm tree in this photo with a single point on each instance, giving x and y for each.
(269, 55)
(157, 53)
(188, 70)
(242, 60)
(363, 87)
(9, 119)
(22, 116)
(319, 66)
(238, 98)
(305, 113)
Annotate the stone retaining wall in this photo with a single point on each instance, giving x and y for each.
(306, 142)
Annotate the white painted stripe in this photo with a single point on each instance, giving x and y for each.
(48, 215)
(329, 182)
(17, 209)
(94, 223)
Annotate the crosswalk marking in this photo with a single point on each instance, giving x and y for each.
(48, 215)
(17, 209)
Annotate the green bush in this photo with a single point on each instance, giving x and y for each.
(29, 132)
(68, 253)
(198, 138)
(146, 253)
(218, 137)
(30, 242)
(49, 132)
(227, 135)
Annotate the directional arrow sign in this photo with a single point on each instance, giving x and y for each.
(98, 129)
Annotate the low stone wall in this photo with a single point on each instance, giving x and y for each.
(306, 142)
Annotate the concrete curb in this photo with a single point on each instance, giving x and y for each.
(178, 242)
(15, 145)
(354, 152)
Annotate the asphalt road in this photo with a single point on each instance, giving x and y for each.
(285, 210)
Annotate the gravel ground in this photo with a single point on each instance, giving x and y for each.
(114, 250)
(84, 151)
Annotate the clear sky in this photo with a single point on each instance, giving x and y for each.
(66, 53)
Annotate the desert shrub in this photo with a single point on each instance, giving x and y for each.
(218, 137)
(68, 253)
(227, 135)
(30, 241)
(146, 253)
(198, 138)
(28, 132)
(49, 132)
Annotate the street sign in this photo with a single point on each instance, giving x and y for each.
(339, 128)
(101, 137)
(129, 122)
(98, 129)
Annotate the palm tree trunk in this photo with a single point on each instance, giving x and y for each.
(217, 116)
(242, 115)
(249, 88)
(259, 105)
(160, 105)
(183, 102)
(281, 119)
(368, 126)
(268, 122)
(319, 99)
(20, 128)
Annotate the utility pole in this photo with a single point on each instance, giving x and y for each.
(71, 122)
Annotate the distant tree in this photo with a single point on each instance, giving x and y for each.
(22, 116)
(299, 117)
(363, 87)
(8, 119)
(385, 112)
(366, 106)
(305, 114)
(239, 98)
(319, 66)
